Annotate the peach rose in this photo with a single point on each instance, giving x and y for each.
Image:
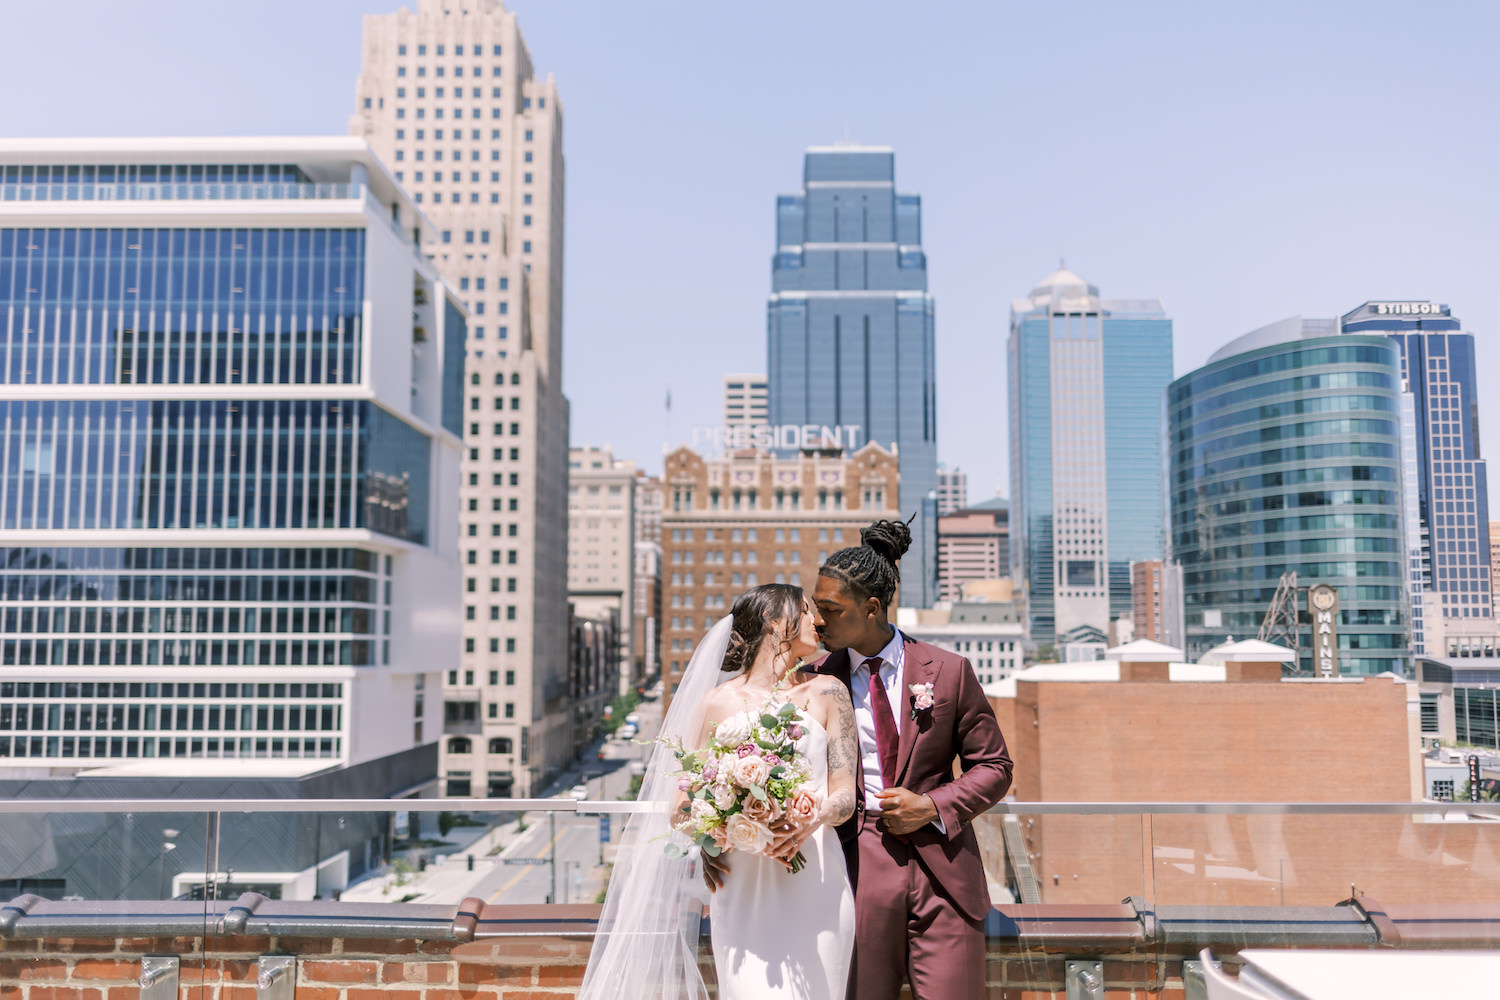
(751, 770)
(762, 810)
(803, 809)
(745, 834)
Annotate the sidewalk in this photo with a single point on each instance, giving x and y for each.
(447, 878)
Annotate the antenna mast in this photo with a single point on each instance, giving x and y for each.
(1280, 624)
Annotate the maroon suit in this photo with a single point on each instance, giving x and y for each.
(926, 920)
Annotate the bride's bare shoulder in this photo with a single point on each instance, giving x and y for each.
(722, 701)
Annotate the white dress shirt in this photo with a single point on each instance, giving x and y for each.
(893, 659)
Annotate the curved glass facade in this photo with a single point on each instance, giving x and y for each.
(1287, 459)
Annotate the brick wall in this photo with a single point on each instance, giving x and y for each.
(509, 955)
(496, 969)
(327, 969)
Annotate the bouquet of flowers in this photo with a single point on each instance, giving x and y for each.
(748, 779)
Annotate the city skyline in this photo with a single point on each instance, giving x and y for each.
(1196, 233)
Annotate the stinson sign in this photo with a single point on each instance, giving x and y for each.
(767, 437)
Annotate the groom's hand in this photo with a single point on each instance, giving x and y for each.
(903, 811)
(714, 870)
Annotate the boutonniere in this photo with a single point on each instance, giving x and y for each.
(921, 698)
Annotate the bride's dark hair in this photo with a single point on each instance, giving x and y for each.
(753, 613)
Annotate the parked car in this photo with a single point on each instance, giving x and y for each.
(579, 792)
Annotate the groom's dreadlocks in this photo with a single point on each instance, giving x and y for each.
(869, 569)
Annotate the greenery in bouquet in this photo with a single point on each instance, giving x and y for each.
(746, 785)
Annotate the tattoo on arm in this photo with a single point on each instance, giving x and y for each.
(843, 752)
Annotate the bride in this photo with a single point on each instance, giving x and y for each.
(776, 935)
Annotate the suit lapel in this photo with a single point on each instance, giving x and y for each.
(918, 668)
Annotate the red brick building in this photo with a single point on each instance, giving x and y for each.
(1147, 731)
(749, 518)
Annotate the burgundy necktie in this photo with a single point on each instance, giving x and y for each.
(885, 723)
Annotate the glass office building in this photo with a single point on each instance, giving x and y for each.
(229, 447)
(1284, 455)
(1447, 529)
(1086, 378)
(850, 328)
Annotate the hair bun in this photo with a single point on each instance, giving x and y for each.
(735, 655)
(889, 539)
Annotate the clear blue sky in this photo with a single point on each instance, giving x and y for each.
(1241, 161)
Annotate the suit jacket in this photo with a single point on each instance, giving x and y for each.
(960, 725)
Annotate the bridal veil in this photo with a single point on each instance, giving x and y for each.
(647, 941)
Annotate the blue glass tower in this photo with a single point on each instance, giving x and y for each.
(1086, 378)
(1448, 539)
(850, 326)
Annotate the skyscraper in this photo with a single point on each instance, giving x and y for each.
(1285, 457)
(447, 96)
(601, 544)
(851, 331)
(744, 400)
(1448, 529)
(1086, 378)
(231, 415)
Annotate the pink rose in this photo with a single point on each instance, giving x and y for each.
(745, 749)
(795, 731)
(684, 783)
(772, 759)
(720, 838)
(803, 809)
(921, 696)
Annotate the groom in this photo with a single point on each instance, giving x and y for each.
(920, 893)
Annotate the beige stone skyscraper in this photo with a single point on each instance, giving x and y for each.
(601, 543)
(447, 97)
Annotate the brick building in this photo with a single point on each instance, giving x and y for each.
(1142, 729)
(1145, 592)
(749, 518)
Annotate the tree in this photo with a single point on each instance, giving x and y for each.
(1488, 791)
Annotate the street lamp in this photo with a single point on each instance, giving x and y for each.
(167, 836)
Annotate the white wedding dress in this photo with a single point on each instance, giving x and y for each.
(784, 936)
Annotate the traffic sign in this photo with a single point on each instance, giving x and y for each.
(604, 828)
(523, 861)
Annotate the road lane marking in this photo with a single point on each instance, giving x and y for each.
(525, 869)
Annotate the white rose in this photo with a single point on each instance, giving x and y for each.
(723, 791)
(745, 834)
(734, 730)
(703, 812)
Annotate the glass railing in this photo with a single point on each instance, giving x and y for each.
(178, 192)
(1120, 895)
(1259, 854)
